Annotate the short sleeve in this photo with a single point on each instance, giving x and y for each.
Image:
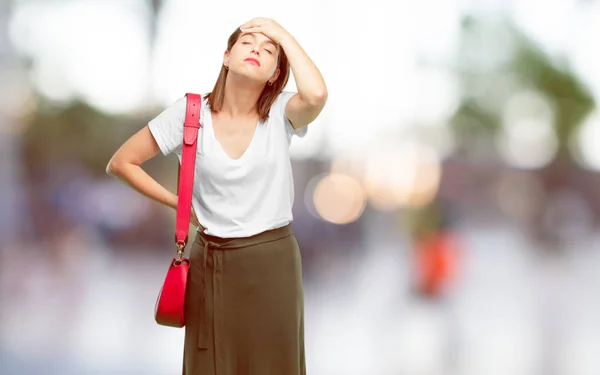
(167, 127)
(280, 105)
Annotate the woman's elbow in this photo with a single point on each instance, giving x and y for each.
(317, 99)
(322, 95)
(114, 168)
(139, 148)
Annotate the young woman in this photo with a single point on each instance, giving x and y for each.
(244, 302)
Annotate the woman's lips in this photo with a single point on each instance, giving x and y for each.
(253, 61)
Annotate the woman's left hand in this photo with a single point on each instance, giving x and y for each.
(266, 26)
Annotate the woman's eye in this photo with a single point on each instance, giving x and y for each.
(245, 42)
(269, 52)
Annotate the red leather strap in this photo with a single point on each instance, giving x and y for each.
(188, 163)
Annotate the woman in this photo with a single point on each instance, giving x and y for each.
(244, 302)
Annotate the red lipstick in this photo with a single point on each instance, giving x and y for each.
(253, 60)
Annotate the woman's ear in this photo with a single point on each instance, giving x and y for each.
(226, 58)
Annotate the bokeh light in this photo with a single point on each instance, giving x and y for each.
(584, 143)
(527, 138)
(407, 176)
(339, 199)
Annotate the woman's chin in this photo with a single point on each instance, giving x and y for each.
(245, 75)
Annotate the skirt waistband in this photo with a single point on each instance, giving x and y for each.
(237, 243)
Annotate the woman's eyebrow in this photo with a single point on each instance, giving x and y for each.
(268, 40)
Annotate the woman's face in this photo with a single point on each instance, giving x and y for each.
(254, 56)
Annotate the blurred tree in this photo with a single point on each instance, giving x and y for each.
(80, 132)
(492, 52)
(78, 137)
(76, 132)
(497, 61)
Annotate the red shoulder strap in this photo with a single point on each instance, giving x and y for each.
(188, 162)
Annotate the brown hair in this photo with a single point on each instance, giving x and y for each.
(270, 92)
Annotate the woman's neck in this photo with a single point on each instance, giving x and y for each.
(241, 97)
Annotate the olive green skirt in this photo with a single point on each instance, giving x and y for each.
(245, 306)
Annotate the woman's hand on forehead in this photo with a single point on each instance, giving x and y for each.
(267, 27)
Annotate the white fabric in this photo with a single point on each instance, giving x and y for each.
(236, 197)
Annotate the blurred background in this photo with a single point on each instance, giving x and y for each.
(447, 199)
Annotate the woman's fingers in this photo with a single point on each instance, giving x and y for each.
(253, 29)
(249, 25)
(253, 22)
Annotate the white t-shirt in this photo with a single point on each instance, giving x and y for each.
(236, 197)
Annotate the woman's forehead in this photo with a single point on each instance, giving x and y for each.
(259, 37)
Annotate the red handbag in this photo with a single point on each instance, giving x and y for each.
(170, 304)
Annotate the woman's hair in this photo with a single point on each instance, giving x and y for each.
(270, 92)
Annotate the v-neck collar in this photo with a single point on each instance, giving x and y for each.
(209, 121)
